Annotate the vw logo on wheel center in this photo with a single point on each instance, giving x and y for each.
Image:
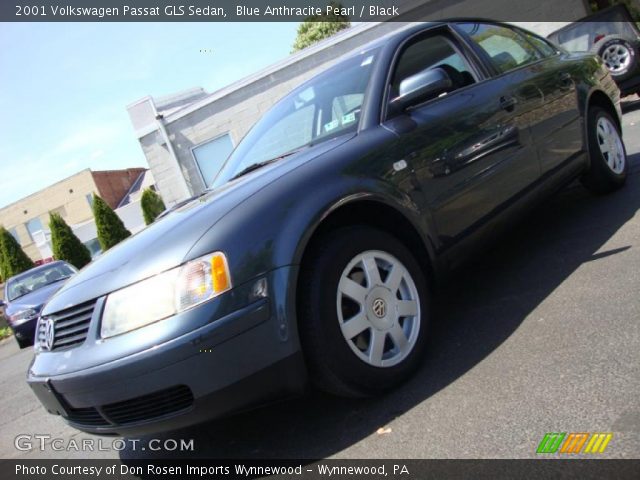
(379, 308)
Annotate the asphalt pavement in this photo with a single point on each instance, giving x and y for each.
(540, 334)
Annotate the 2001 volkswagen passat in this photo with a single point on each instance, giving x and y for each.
(313, 255)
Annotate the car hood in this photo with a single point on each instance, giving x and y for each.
(34, 299)
(166, 243)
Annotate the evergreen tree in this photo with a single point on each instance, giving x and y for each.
(66, 246)
(3, 275)
(14, 260)
(152, 205)
(318, 27)
(111, 230)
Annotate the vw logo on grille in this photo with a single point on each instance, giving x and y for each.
(49, 334)
(379, 308)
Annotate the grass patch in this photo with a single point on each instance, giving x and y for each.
(5, 332)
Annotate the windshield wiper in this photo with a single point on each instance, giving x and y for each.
(258, 165)
(253, 167)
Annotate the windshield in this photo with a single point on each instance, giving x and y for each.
(30, 282)
(328, 106)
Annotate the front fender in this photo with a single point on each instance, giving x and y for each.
(273, 226)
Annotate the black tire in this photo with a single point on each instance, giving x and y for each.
(333, 365)
(600, 178)
(22, 343)
(600, 48)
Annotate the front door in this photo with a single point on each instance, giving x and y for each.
(471, 151)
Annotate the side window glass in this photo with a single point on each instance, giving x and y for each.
(545, 47)
(506, 48)
(428, 53)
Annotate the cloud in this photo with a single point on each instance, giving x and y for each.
(86, 137)
(98, 144)
(96, 154)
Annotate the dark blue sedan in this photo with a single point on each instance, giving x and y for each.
(314, 255)
(26, 293)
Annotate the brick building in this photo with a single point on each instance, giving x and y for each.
(113, 185)
(27, 219)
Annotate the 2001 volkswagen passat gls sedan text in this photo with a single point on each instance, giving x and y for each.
(313, 255)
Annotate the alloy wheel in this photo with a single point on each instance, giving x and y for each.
(610, 145)
(617, 58)
(378, 308)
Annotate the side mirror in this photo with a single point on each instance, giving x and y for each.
(421, 87)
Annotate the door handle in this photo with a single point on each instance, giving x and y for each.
(566, 80)
(508, 103)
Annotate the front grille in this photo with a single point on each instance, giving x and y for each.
(70, 326)
(150, 406)
(86, 416)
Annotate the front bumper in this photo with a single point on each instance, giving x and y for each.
(232, 362)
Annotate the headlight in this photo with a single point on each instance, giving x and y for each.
(166, 294)
(23, 316)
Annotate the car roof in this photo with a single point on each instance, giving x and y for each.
(418, 27)
(408, 31)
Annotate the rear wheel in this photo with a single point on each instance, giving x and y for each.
(363, 312)
(607, 153)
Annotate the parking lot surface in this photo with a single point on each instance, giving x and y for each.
(540, 334)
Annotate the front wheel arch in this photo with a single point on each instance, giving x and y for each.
(379, 215)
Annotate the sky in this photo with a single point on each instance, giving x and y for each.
(64, 87)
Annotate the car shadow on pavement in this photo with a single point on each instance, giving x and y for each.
(474, 314)
(631, 105)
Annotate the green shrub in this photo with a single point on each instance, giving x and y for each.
(2, 272)
(14, 260)
(152, 205)
(5, 332)
(111, 230)
(65, 245)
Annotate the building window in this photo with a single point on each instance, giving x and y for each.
(211, 155)
(33, 226)
(89, 197)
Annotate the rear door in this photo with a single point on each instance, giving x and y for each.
(560, 137)
(537, 75)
